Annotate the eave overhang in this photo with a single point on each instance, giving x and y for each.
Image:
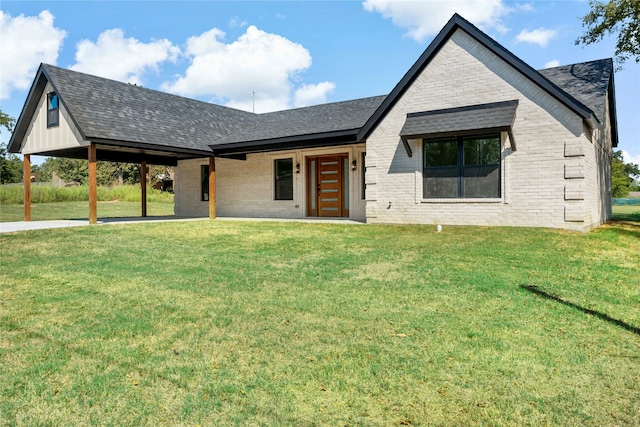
(29, 108)
(459, 121)
(326, 139)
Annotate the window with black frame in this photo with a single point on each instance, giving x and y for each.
(462, 167)
(283, 179)
(204, 183)
(53, 110)
(363, 175)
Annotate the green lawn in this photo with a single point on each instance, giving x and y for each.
(117, 208)
(80, 210)
(239, 323)
(628, 213)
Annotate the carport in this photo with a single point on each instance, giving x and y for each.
(80, 116)
(94, 152)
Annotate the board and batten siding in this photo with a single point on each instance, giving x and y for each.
(245, 188)
(40, 139)
(534, 191)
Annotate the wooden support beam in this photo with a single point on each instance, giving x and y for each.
(212, 187)
(143, 187)
(407, 147)
(93, 185)
(27, 187)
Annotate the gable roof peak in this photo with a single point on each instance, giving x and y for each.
(458, 22)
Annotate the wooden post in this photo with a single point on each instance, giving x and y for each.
(27, 187)
(212, 187)
(93, 185)
(143, 187)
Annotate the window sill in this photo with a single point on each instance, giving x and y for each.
(478, 200)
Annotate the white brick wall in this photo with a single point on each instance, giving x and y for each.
(534, 189)
(244, 188)
(558, 176)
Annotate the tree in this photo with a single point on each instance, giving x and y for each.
(7, 122)
(616, 16)
(78, 171)
(10, 164)
(622, 175)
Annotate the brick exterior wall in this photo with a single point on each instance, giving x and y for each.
(245, 188)
(554, 178)
(558, 176)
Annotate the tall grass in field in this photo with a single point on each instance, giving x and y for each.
(14, 194)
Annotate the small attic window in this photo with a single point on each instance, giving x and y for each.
(53, 112)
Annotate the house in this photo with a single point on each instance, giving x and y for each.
(470, 135)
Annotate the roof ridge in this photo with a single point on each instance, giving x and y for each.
(454, 24)
(323, 104)
(139, 87)
(577, 63)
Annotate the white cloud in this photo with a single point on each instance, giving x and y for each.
(125, 59)
(524, 7)
(26, 42)
(257, 66)
(552, 63)
(312, 94)
(628, 158)
(236, 23)
(425, 18)
(539, 36)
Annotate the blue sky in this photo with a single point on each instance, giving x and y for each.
(282, 54)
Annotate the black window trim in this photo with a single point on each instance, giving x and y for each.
(54, 112)
(460, 137)
(363, 174)
(275, 179)
(204, 183)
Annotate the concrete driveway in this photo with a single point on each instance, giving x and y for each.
(12, 227)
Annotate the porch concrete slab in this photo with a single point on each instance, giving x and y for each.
(307, 220)
(12, 227)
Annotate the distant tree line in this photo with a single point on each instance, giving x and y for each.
(624, 176)
(69, 170)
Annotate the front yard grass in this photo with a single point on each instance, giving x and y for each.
(239, 323)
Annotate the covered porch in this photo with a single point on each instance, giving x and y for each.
(119, 151)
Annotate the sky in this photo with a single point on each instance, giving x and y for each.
(267, 55)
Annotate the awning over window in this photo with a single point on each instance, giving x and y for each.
(472, 119)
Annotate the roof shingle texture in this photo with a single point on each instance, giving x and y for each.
(478, 117)
(108, 109)
(587, 82)
(333, 117)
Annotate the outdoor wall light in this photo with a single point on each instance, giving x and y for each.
(297, 167)
(354, 165)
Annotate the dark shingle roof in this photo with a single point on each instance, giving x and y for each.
(107, 109)
(495, 116)
(587, 82)
(318, 119)
(129, 115)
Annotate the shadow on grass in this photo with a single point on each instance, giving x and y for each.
(630, 217)
(625, 227)
(534, 289)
